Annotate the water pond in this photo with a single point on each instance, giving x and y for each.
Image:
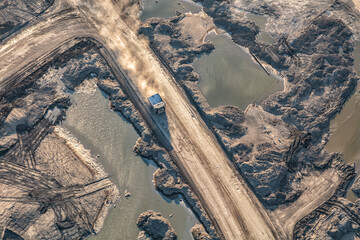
(229, 76)
(108, 135)
(345, 127)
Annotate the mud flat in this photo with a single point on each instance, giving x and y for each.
(85, 157)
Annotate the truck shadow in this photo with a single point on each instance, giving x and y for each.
(163, 125)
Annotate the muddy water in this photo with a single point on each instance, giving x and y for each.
(167, 8)
(263, 36)
(106, 133)
(228, 76)
(345, 127)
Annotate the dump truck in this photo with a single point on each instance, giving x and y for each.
(157, 104)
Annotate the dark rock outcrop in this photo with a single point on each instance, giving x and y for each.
(175, 48)
(155, 227)
(198, 233)
(355, 187)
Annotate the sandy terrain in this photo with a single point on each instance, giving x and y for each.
(357, 4)
(197, 26)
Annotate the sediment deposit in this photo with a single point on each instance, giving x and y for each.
(154, 226)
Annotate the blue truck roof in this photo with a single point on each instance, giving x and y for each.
(154, 99)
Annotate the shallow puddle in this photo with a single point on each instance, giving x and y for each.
(167, 8)
(106, 133)
(228, 75)
(259, 20)
(345, 127)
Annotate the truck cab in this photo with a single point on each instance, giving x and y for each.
(157, 104)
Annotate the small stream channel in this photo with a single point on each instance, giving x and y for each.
(106, 133)
(345, 127)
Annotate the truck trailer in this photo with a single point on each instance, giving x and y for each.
(157, 104)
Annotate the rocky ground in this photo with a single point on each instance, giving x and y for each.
(335, 219)
(286, 18)
(16, 13)
(155, 227)
(199, 233)
(278, 146)
(356, 187)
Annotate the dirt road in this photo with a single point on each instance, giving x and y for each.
(31, 48)
(235, 210)
(326, 184)
(357, 4)
(227, 198)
